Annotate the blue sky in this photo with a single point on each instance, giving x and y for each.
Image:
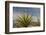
(21, 10)
(32, 11)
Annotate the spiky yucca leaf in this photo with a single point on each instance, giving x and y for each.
(23, 21)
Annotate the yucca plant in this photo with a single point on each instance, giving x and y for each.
(23, 21)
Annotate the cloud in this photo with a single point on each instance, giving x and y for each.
(34, 18)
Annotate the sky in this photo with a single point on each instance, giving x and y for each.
(35, 12)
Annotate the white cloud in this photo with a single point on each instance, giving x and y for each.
(34, 18)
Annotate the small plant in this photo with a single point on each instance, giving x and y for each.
(23, 21)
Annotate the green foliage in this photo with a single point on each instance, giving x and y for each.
(23, 21)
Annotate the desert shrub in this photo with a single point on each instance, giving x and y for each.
(23, 21)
